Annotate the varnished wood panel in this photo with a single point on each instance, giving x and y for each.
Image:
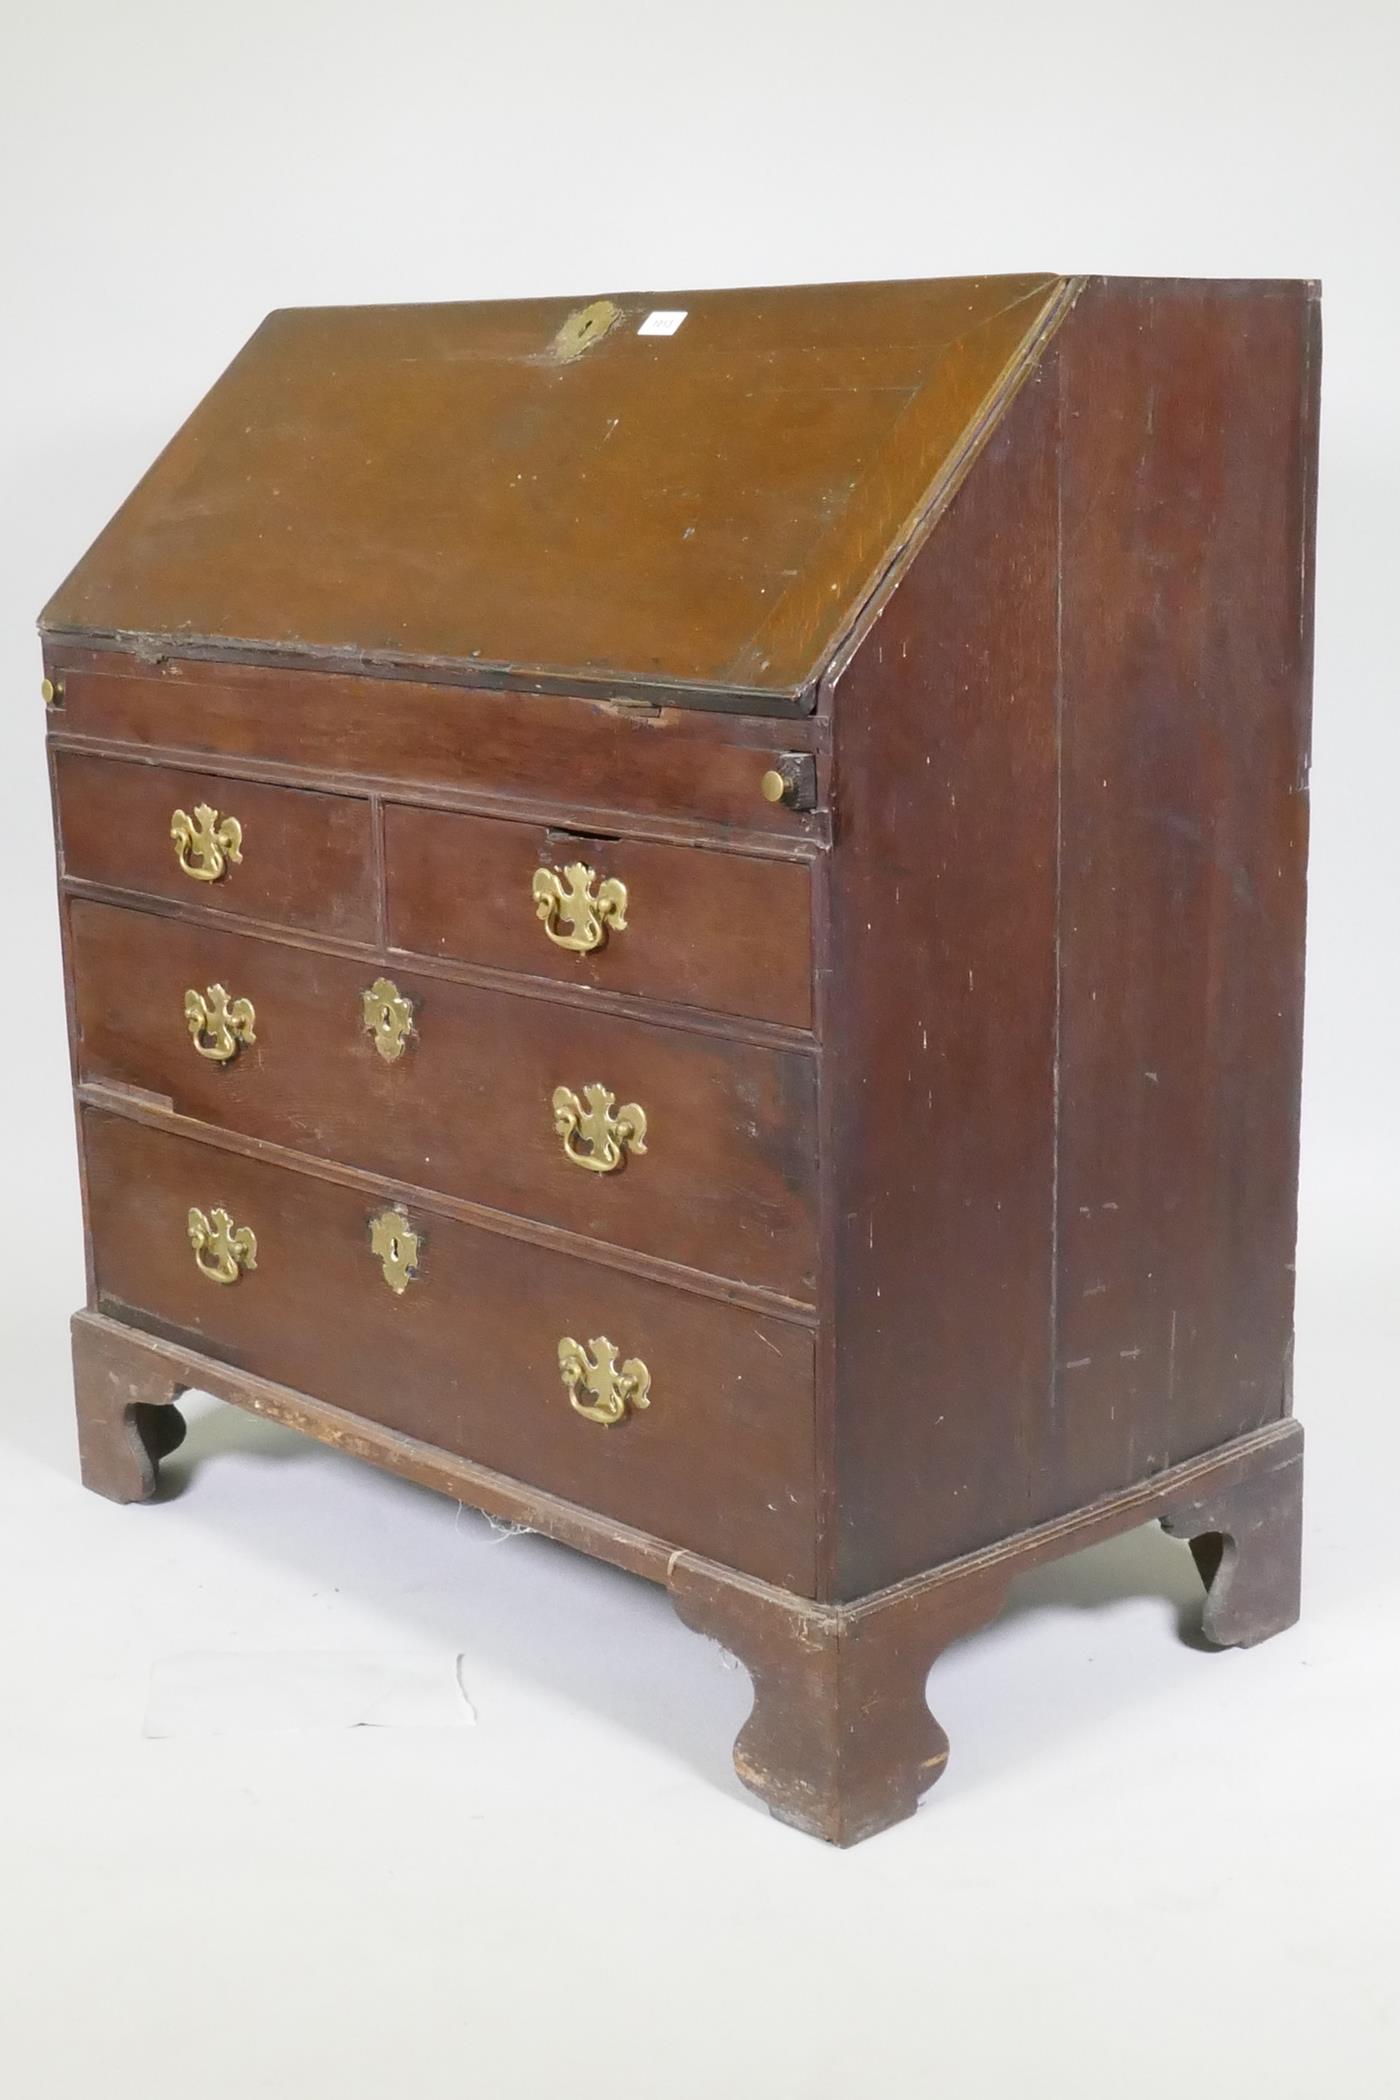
(727, 1182)
(447, 485)
(721, 1461)
(721, 930)
(1190, 432)
(670, 762)
(307, 859)
(940, 1038)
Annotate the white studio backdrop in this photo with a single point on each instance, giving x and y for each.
(1164, 1871)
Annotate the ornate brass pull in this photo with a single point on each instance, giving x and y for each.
(222, 1249)
(388, 1018)
(397, 1246)
(568, 901)
(206, 844)
(611, 1387)
(608, 1135)
(218, 1024)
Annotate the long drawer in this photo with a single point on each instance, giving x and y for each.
(460, 1337)
(684, 1146)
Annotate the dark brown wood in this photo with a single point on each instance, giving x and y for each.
(445, 485)
(466, 1358)
(964, 1232)
(727, 1180)
(1190, 414)
(598, 755)
(113, 1360)
(1063, 1048)
(841, 1742)
(305, 857)
(725, 931)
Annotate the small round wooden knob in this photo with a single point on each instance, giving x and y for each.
(773, 785)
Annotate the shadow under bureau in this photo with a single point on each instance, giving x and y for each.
(684, 920)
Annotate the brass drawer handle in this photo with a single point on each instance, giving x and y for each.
(611, 1387)
(222, 1250)
(388, 1018)
(396, 1247)
(218, 1024)
(206, 844)
(607, 1135)
(568, 901)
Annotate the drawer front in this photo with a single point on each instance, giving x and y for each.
(466, 1354)
(675, 762)
(284, 855)
(457, 1093)
(675, 923)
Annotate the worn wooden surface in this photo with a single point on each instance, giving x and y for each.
(727, 1181)
(307, 859)
(965, 1229)
(726, 931)
(466, 1358)
(841, 1742)
(566, 752)
(1062, 1043)
(439, 485)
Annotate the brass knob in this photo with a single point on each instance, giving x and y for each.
(51, 691)
(792, 781)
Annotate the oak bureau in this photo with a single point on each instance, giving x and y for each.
(684, 919)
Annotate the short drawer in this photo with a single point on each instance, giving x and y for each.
(456, 1335)
(283, 855)
(728, 931)
(687, 1147)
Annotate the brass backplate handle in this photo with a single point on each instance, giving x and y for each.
(598, 1136)
(206, 844)
(396, 1246)
(388, 1018)
(218, 1024)
(573, 914)
(602, 1390)
(222, 1250)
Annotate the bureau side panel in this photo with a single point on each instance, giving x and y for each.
(939, 1028)
(1189, 418)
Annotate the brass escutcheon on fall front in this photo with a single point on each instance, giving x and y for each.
(611, 1388)
(566, 900)
(607, 1134)
(206, 844)
(222, 1249)
(388, 1018)
(396, 1246)
(218, 1024)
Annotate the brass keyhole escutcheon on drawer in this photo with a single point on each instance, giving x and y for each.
(218, 1024)
(572, 913)
(603, 1390)
(206, 844)
(222, 1250)
(396, 1246)
(598, 1136)
(388, 1018)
